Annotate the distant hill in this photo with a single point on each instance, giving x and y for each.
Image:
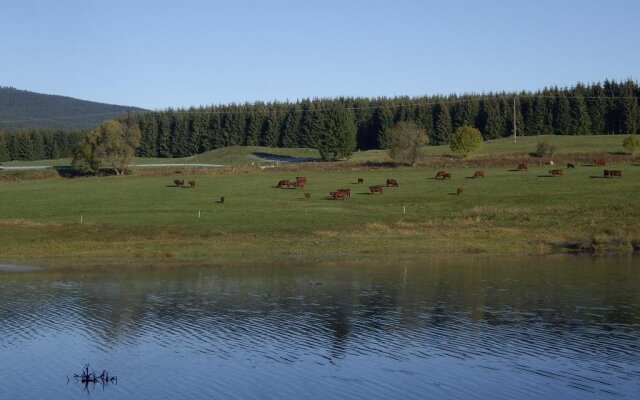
(21, 109)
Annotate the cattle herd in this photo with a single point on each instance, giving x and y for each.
(345, 193)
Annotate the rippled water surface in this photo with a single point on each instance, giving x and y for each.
(566, 328)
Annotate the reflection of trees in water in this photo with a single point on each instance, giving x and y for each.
(228, 305)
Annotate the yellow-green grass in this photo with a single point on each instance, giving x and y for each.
(145, 220)
(246, 155)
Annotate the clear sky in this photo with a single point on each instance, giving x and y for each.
(157, 54)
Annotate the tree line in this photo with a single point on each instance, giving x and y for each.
(600, 108)
(339, 126)
(38, 144)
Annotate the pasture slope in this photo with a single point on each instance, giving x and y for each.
(145, 220)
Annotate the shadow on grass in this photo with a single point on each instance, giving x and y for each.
(276, 157)
(597, 177)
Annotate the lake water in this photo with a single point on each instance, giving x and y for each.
(472, 328)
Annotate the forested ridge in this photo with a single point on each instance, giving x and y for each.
(21, 109)
(600, 108)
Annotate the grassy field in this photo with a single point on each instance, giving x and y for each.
(145, 220)
(566, 145)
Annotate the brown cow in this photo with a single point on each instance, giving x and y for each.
(615, 172)
(376, 189)
(307, 195)
(338, 195)
(302, 179)
(179, 182)
(522, 167)
(347, 191)
(478, 174)
(556, 172)
(599, 162)
(440, 174)
(392, 182)
(298, 184)
(571, 165)
(607, 173)
(284, 182)
(446, 176)
(459, 191)
(192, 184)
(360, 180)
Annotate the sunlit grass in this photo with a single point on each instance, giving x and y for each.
(148, 219)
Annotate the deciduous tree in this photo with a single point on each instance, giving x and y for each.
(466, 140)
(406, 139)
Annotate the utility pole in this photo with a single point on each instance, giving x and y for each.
(514, 120)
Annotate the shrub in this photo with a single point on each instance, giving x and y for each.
(466, 140)
(631, 143)
(545, 149)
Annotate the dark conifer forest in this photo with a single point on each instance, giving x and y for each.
(23, 110)
(600, 108)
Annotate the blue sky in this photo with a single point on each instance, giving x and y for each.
(158, 54)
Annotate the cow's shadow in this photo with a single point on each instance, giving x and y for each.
(597, 177)
(546, 176)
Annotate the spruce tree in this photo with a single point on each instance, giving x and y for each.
(337, 139)
(561, 114)
(270, 131)
(252, 129)
(291, 130)
(443, 128)
(382, 121)
(580, 122)
(596, 108)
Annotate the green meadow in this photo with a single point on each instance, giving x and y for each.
(145, 220)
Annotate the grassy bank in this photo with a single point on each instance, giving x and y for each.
(145, 220)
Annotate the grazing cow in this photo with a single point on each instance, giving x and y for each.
(615, 172)
(338, 195)
(307, 195)
(571, 165)
(283, 183)
(440, 174)
(192, 184)
(298, 184)
(599, 162)
(221, 199)
(360, 180)
(376, 189)
(478, 174)
(392, 182)
(522, 167)
(459, 191)
(555, 172)
(347, 191)
(446, 176)
(302, 179)
(179, 182)
(607, 173)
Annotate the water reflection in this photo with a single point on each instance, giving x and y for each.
(475, 328)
